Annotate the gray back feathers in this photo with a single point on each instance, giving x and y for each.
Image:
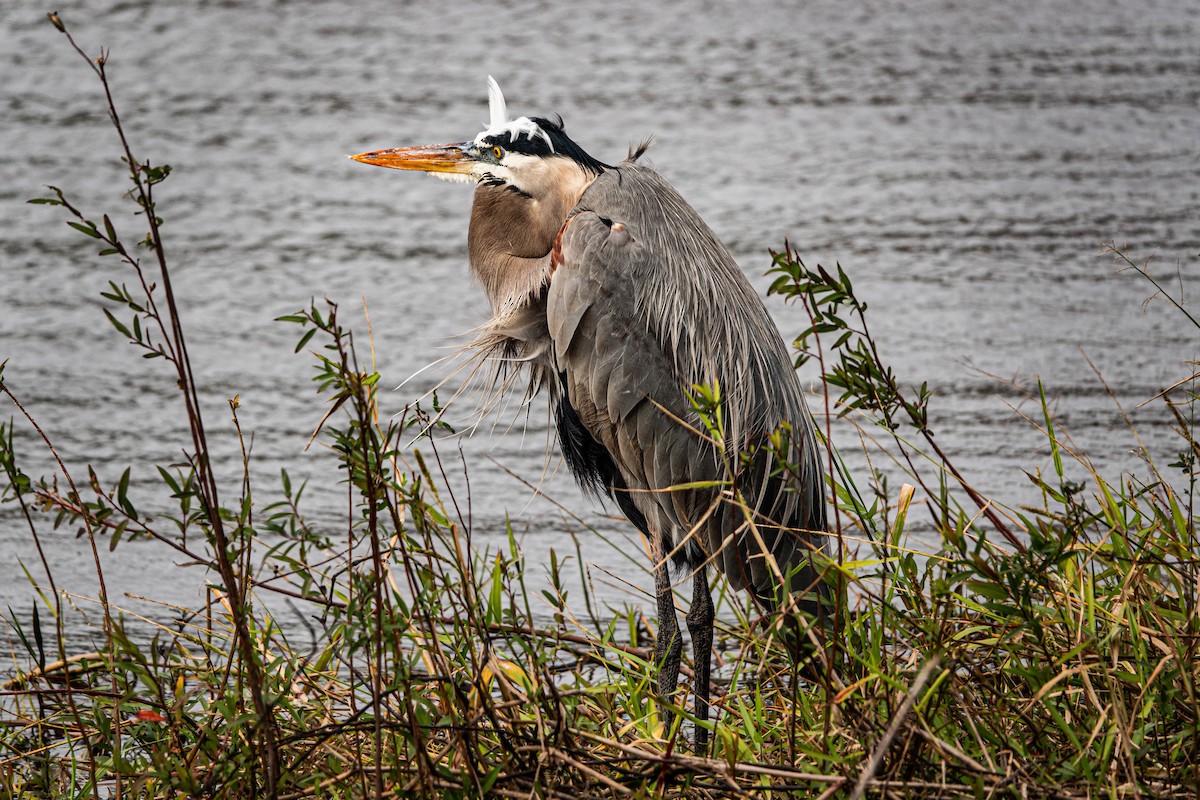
(647, 303)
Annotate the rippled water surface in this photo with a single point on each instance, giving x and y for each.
(962, 161)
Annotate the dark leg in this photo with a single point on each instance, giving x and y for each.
(668, 648)
(700, 626)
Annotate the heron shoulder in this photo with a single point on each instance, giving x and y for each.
(684, 276)
(667, 272)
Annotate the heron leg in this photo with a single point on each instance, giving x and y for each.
(668, 647)
(700, 625)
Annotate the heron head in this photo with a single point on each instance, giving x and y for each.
(533, 155)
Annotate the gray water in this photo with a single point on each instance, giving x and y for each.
(962, 161)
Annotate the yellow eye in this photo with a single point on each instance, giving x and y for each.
(498, 152)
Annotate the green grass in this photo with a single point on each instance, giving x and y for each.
(1047, 651)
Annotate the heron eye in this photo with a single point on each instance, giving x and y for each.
(498, 152)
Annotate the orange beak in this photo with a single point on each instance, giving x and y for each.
(428, 158)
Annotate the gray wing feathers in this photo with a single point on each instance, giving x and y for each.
(645, 303)
(573, 304)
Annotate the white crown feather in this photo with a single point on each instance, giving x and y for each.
(500, 123)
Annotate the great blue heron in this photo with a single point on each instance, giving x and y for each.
(618, 300)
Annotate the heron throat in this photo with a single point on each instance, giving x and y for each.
(510, 240)
(513, 227)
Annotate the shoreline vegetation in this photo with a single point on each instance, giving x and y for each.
(1041, 651)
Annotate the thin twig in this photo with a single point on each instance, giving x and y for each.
(881, 748)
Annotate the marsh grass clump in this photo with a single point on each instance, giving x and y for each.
(1064, 634)
(1039, 651)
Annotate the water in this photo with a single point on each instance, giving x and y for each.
(962, 161)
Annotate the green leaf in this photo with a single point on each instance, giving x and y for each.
(117, 324)
(989, 590)
(1054, 452)
(123, 484)
(122, 495)
(495, 598)
(169, 479)
(45, 201)
(20, 481)
(115, 539)
(304, 339)
(89, 229)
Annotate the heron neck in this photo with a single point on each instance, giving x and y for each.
(510, 239)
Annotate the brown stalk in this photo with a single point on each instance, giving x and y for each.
(144, 195)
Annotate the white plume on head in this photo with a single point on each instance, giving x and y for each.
(502, 124)
(496, 105)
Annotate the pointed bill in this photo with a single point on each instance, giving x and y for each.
(425, 158)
